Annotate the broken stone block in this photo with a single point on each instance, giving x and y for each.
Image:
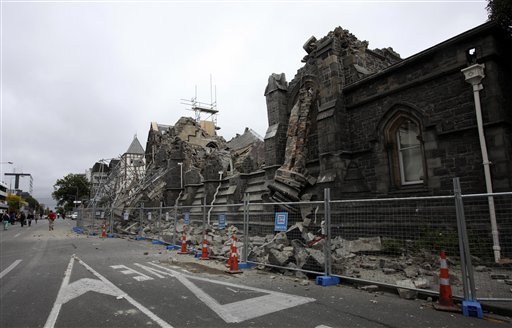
(411, 272)
(499, 276)
(369, 266)
(315, 260)
(404, 292)
(388, 270)
(421, 283)
(373, 244)
(279, 258)
(370, 288)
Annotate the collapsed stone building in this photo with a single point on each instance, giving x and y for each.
(364, 123)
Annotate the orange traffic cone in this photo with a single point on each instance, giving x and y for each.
(233, 258)
(445, 302)
(183, 244)
(204, 250)
(233, 241)
(103, 231)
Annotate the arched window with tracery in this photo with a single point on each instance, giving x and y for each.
(403, 134)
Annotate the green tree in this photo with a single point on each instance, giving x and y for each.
(500, 11)
(70, 188)
(14, 202)
(33, 204)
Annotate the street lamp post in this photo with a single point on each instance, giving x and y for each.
(474, 75)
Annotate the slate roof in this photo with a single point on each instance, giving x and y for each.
(135, 147)
(244, 140)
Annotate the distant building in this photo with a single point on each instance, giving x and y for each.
(132, 166)
(97, 177)
(3, 197)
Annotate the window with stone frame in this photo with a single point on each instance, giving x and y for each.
(405, 150)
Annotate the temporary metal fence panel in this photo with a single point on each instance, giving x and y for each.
(286, 236)
(396, 241)
(493, 279)
(91, 220)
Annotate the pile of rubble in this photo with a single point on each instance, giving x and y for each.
(299, 251)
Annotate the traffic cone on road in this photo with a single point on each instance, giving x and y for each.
(445, 302)
(204, 251)
(183, 244)
(233, 241)
(233, 261)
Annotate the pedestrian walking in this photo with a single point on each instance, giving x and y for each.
(23, 218)
(5, 220)
(30, 217)
(12, 218)
(51, 219)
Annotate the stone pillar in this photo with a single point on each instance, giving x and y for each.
(275, 138)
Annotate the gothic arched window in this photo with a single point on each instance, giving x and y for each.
(403, 135)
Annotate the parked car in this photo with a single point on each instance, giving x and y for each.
(74, 215)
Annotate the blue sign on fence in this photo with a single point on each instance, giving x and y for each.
(281, 223)
(222, 221)
(186, 218)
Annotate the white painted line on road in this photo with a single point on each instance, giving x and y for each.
(241, 310)
(69, 291)
(9, 268)
(16, 235)
(140, 277)
(158, 273)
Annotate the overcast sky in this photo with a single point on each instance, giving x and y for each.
(80, 79)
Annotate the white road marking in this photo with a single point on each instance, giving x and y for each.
(158, 273)
(140, 277)
(69, 291)
(241, 310)
(9, 268)
(16, 235)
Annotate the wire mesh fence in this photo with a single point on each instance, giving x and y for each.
(394, 241)
(492, 270)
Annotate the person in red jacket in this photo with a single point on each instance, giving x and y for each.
(51, 218)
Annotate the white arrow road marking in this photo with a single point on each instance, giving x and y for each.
(69, 291)
(241, 310)
(9, 268)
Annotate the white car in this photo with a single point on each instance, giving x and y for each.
(74, 215)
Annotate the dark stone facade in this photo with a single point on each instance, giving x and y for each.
(358, 92)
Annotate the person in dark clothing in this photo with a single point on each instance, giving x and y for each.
(5, 220)
(23, 219)
(30, 217)
(12, 218)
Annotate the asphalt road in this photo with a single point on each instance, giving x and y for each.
(61, 279)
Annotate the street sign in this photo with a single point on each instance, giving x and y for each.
(281, 221)
(186, 217)
(222, 221)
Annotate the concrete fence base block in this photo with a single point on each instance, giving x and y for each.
(472, 309)
(245, 265)
(327, 280)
